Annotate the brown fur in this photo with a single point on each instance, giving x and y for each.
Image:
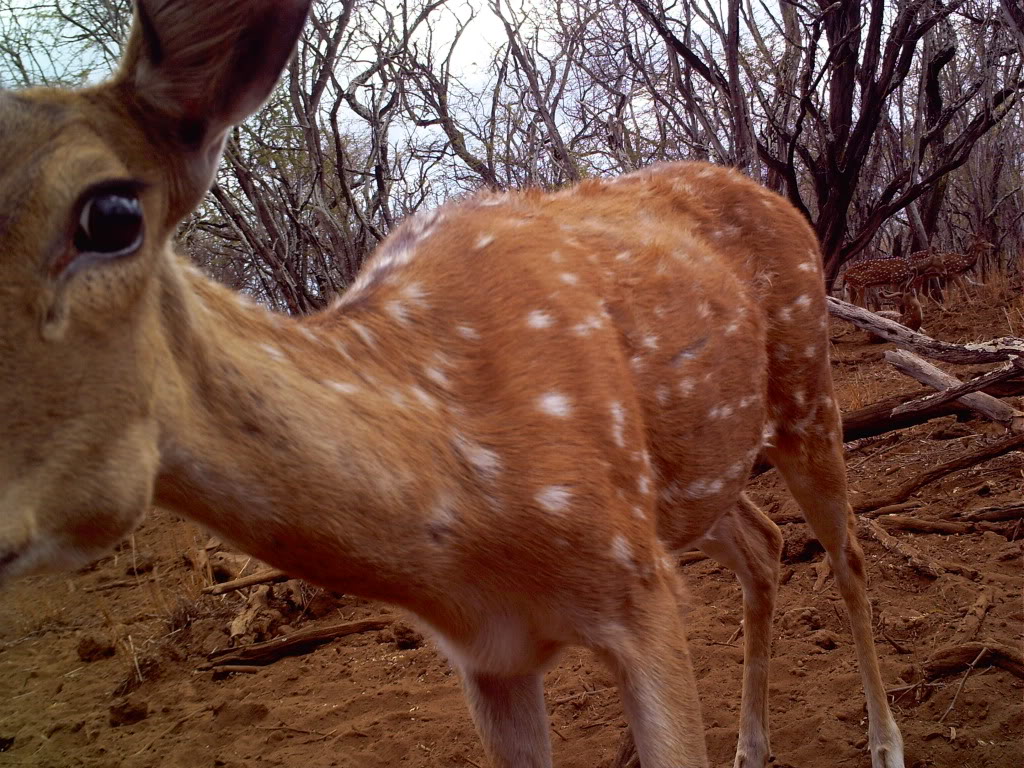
(904, 274)
(953, 265)
(522, 405)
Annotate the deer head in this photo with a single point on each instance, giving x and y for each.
(92, 186)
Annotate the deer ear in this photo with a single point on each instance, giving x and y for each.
(197, 67)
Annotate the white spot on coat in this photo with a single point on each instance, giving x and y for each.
(342, 386)
(618, 423)
(701, 489)
(622, 551)
(554, 498)
(274, 352)
(555, 404)
(437, 376)
(483, 459)
(363, 332)
(591, 323)
(397, 310)
(539, 319)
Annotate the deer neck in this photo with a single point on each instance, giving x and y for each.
(273, 439)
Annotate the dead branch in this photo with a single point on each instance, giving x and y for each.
(253, 621)
(952, 659)
(903, 492)
(1012, 369)
(997, 514)
(971, 622)
(296, 643)
(878, 418)
(918, 525)
(918, 561)
(264, 577)
(994, 351)
(913, 366)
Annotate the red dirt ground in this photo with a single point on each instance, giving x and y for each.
(361, 702)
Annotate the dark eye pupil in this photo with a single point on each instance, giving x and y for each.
(111, 222)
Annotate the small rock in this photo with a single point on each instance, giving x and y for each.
(800, 546)
(993, 540)
(406, 638)
(823, 638)
(807, 619)
(128, 711)
(1010, 552)
(92, 648)
(910, 673)
(240, 713)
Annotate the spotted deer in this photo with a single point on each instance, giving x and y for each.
(911, 313)
(904, 274)
(952, 265)
(523, 405)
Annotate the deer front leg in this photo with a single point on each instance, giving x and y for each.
(510, 717)
(649, 655)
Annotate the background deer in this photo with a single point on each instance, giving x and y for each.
(910, 314)
(952, 265)
(522, 405)
(903, 274)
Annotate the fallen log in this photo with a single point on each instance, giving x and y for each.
(953, 659)
(878, 418)
(298, 642)
(1012, 369)
(993, 351)
(988, 406)
(997, 514)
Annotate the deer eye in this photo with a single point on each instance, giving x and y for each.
(110, 223)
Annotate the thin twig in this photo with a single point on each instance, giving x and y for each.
(963, 682)
(581, 695)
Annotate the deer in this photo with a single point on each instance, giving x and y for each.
(910, 314)
(953, 265)
(904, 274)
(525, 403)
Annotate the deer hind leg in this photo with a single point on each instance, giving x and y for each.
(510, 717)
(857, 295)
(960, 281)
(750, 544)
(651, 661)
(810, 460)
